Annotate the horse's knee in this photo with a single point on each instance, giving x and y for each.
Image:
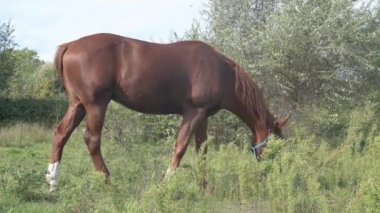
(61, 134)
(179, 150)
(92, 142)
(59, 137)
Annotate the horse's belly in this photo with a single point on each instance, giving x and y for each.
(150, 103)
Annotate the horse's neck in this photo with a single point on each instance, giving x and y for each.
(254, 121)
(244, 114)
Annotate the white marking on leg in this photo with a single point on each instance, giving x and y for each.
(52, 175)
(170, 172)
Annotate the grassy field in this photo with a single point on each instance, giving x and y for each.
(298, 175)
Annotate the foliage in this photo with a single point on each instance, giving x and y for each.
(363, 128)
(6, 45)
(22, 73)
(233, 25)
(300, 49)
(25, 62)
(6, 37)
(297, 175)
(44, 111)
(178, 194)
(324, 122)
(367, 198)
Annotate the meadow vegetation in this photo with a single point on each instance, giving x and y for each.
(300, 174)
(318, 60)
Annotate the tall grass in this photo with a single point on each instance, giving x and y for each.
(297, 175)
(23, 134)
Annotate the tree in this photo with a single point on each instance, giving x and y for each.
(233, 27)
(24, 80)
(22, 73)
(6, 37)
(362, 49)
(6, 63)
(316, 50)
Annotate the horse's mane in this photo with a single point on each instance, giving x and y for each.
(249, 94)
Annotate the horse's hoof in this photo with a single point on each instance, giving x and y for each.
(51, 176)
(53, 188)
(170, 172)
(52, 181)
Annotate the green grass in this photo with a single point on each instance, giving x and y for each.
(297, 176)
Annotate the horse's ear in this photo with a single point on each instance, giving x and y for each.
(280, 122)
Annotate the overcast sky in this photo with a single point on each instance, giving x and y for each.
(42, 25)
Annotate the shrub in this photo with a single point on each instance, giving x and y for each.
(177, 194)
(90, 194)
(43, 111)
(362, 128)
(367, 198)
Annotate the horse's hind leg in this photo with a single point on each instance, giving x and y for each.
(74, 115)
(92, 136)
(190, 122)
(201, 136)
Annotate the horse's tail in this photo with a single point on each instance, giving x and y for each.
(58, 63)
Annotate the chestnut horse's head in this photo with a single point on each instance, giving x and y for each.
(254, 111)
(275, 126)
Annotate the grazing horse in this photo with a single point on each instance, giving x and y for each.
(189, 78)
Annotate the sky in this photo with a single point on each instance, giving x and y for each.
(42, 25)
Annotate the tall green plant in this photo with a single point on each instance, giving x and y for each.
(7, 43)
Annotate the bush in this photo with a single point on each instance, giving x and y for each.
(326, 123)
(43, 111)
(367, 198)
(362, 128)
(177, 194)
(94, 195)
(293, 184)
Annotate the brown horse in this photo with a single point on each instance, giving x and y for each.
(188, 78)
